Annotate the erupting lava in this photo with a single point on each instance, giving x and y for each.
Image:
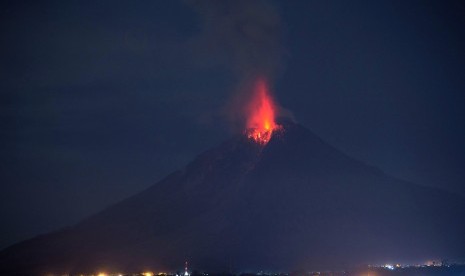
(261, 114)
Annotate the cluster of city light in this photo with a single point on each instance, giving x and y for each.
(426, 264)
(147, 273)
(387, 266)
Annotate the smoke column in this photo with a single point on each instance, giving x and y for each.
(247, 37)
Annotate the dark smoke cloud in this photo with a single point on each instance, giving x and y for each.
(246, 36)
(247, 33)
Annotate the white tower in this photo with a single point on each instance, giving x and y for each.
(186, 273)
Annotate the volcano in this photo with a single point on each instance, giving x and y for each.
(294, 202)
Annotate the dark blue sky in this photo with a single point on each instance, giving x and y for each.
(100, 99)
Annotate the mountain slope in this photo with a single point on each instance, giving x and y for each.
(295, 203)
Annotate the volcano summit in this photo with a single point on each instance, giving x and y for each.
(294, 202)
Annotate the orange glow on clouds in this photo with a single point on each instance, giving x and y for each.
(261, 114)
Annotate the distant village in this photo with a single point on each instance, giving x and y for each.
(430, 268)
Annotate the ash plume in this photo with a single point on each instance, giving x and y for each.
(247, 33)
(245, 37)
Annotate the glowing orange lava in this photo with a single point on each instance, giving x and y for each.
(261, 114)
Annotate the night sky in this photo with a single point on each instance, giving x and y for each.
(100, 99)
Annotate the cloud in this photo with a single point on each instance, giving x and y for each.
(246, 38)
(244, 35)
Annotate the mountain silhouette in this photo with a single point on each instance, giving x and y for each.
(294, 203)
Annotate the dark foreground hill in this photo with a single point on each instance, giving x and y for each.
(295, 203)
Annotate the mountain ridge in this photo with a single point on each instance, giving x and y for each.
(296, 202)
